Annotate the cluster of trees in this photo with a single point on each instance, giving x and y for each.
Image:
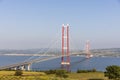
(86, 71)
(113, 72)
(58, 73)
(18, 73)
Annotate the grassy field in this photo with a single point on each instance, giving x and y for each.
(87, 76)
(9, 75)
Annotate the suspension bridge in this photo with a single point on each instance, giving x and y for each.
(65, 54)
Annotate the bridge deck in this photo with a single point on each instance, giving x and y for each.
(28, 62)
(31, 61)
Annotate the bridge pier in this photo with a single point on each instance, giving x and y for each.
(28, 67)
(22, 67)
(15, 68)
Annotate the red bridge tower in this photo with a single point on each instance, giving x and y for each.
(88, 54)
(65, 59)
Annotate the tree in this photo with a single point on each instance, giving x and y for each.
(113, 72)
(50, 72)
(61, 73)
(18, 73)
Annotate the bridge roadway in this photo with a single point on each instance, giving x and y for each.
(26, 64)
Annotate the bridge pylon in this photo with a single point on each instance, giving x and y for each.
(65, 59)
(88, 54)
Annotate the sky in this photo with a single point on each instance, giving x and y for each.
(31, 24)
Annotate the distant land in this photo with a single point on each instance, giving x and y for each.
(111, 52)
